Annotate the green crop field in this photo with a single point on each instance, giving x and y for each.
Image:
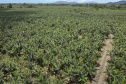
(60, 44)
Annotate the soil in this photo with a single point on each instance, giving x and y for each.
(79, 36)
(101, 74)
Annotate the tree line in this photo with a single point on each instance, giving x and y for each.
(96, 6)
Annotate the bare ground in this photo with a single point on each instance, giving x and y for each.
(101, 74)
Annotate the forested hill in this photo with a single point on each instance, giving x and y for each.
(119, 2)
(65, 2)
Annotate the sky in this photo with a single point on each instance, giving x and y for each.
(51, 1)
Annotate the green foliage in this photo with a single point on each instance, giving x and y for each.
(117, 67)
(29, 6)
(9, 6)
(64, 43)
(112, 7)
(1, 6)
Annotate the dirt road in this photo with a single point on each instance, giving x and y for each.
(101, 74)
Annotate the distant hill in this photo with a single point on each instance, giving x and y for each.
(65, 2)
(90, 2)
(119, 2)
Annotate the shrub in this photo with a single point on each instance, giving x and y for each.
(9, 6)
(29, 6)
(1, 7)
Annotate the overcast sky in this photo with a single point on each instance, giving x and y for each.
(50, 1)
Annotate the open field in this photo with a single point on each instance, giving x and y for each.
(60, 44)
